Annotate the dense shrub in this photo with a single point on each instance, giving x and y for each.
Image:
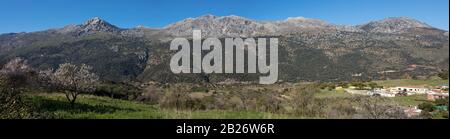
(176, 99)
(427, 106)
(12, 105)
(305, 104)
(15, 76)
(443, 75)
(377, 108)
(118, 91)
(151, 94)
(199, 89)
(342, 109)
(441, 102)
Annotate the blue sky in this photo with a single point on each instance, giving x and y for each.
(33, 15)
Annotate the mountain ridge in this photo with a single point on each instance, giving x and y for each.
(309, 49)
(206, 22)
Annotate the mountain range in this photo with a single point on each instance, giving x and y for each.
(310, 49)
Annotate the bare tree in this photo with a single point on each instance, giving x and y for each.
(74, 80)
(379, 108)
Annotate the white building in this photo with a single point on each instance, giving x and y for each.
(410, 90)
(378, 92)
(444, 86)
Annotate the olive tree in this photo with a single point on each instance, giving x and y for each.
(74, 80)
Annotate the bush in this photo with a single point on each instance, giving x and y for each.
(12, 106)
(151, 95)
(426, 115)
(427, 106)
(269, 102)
(15, 76)
(378, 108)
(444, 114)
(236, 103)
(199, 89)
(118, 91)
(343, 84)
(176, 98)
(443, 75)
(441, 102)
(359, 85)
(342, 109)
(305, 104)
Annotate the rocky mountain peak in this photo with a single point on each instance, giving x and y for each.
(237, 26)
(215, 26)
(207, 16)
(393, 25)
(98, 24)
(92, 25)
(304, 22)
(94, 20)
(302, 19)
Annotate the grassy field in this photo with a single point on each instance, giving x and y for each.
(412, 100)
(94, 107)
(333, 94)
(410, 82)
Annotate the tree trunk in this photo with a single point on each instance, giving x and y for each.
(72, 103)
(71, 97)
(74, 98)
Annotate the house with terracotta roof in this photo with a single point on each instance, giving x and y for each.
(435, 94)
